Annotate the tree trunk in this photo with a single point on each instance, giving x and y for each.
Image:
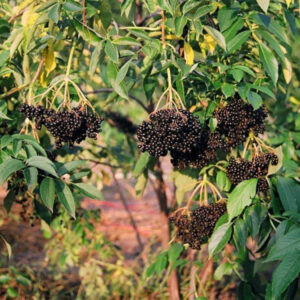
(160, 189)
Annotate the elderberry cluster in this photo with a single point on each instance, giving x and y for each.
(236, 119)
(123, 123)
(201, 153)
(238, 171)
(198, 227)
(66, 126)
(169, 130)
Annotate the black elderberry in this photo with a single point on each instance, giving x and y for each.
(169, 130)
(196, 228)
(240, 170)
(67, 126)
(236, 119)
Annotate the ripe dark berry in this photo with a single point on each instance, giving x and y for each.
(236, 120)
(240, 170)
(169, 130)
(66, 126)
(198, 227)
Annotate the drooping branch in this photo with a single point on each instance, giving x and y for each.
(110, 90)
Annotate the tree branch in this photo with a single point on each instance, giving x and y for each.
(110, 90)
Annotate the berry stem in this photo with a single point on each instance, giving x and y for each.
(70, 60)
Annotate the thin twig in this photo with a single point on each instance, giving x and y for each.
(110, 90)
(124, 202)
(22, 87)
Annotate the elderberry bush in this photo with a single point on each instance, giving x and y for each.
(240, 170)
(236, 119)
(197, 228)
(66, 126)
(169, 130)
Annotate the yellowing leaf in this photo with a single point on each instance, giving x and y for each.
(188, 54)
(287, 70)
(50, 63)
(43, 81)
(288, 2)
(22, 5)
(29, 17)
(173, 37)
(294, 100)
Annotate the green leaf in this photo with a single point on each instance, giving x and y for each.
(285, 274)
(89, 190)
(232, 31)
(105, 13)
(150, 83)
(255, 100)
(8, 167)
(273, 169)
(202, 11)
(141, 164)
(88, 35)
(263, 89)
(226, 17)
(9, 200)
(97, 56)
(72, 6)
(228, 89)
(120, 89)
(264, 4)
(180, 22)
(289, 191)
(244, 69)
(31, 177)
(189, 5)
(3, 116)
(219, 238)
(272, 41)
(286, 245)
(53, 13)
(4, 279)
(238, 41)
(7, 245)
(222, 180)
(23, 280)
(30, 140)
(123, 72)
(30, 151)
(70, 167)
(161, 263)
(185, 181)
(65, 196)
(269, 62)
(47, 192)
(241, 197)
(11, 292)
(4, 56)
(237, 74)
(126, 41)
(42, 163)
(272, 26)
(111, 51)
(174, 252)
(216, 35)
(223, 269)
(141, 184)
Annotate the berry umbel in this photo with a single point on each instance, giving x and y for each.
(67, 126)
(240, 170)
(195, 229)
